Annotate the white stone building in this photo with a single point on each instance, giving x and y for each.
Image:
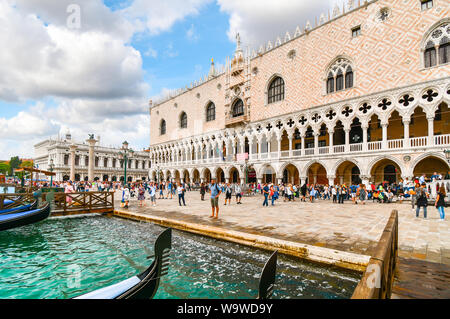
(107, 164)
(360, 96)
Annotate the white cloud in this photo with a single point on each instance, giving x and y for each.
(151, 53)
(54, 61)
(191, 34)
(259, 21)
(157, 16)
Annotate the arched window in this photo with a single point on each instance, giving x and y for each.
(430, 55)
(238, 108)
(183, 120)
(437, 46)
(330, 83)
(105, 162)
(444, 51)
(276, 90)
(210, 112)
(163, 127)
(339, 80)
(340, 76)
(349, 77)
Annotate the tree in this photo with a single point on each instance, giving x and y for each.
(15, 162)
(5, 168)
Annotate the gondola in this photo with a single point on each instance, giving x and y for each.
(267, 278)
(19, 209)
(13, 220)
(144, 285)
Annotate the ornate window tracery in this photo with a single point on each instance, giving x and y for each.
(340, 76)
(437, 46)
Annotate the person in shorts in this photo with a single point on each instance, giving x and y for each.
(228, 193)
(238, 191)
(215, 192)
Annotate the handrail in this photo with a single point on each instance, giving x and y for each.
(82, 201)
(378, 279)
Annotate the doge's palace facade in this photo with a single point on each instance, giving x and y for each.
(362, 95)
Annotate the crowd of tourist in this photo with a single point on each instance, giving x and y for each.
(416, 191)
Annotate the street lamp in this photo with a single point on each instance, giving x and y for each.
(51, 165)
(125, 154)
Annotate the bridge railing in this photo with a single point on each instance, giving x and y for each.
(19, 199)
(79, 203)
(378, 279)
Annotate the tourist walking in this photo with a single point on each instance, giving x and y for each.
(274, 193)
(141, 196)
(215, 192)
(126, 196)
(153, 194)
(228, 193)
(334, 193)
(202, 191)
(362, 194)
(422, 200)
(181, 191)
(440, 202)
(265, 191)
(238, 192)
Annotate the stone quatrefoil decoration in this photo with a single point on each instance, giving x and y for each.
(302, 120)
(290, 123)
(316, 117)
(279, 125)
(365, 108)
(430, 95)
(347, 111)
(331, 114)
(406, 100)
(259, 128)
(385, 103)
(269, 127)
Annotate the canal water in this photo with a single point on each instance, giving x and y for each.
(66, 257)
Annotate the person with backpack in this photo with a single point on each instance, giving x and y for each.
(422, 200)
(238, 192)
(440, 202)
(228, 192)
(215, 192)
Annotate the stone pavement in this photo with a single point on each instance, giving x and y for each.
(346, 227)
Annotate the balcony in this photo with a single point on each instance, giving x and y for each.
(230, 121)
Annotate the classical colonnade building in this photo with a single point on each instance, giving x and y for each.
(88, 161)
(363, 96)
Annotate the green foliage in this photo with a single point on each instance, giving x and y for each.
(15, 162)
(5, 168)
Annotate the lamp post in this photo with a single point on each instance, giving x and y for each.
(51, 165)
(125, 154)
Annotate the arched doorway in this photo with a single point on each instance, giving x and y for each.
(77, 177)
(96, 179)
(356, 133)
(114, 178)
(429, 166)
(220, 176)
(251, 175)
(385, 170)
(187, 178)
(130, 178)
(291, 175)
(317, 174)
(268, 175)
(234, 175)
(105, 178)
(86, 178)
(348, 173)
(196, 176)
(66, 178)
(207, 175)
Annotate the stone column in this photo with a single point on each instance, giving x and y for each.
(347, 139)
(291, 137)
(384, 143)
(331, 179)
(259, 148)
(430, 131)
(279, 146)
(330, 141)
(406, 133)
(250, 149)
(72, 162)
(364, 129)
(91, 143)
(303, 143)
(280, 180)
(316, 143)
(365, 181)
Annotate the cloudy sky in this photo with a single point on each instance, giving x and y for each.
(90, 66)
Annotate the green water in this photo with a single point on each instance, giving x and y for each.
(63, 258)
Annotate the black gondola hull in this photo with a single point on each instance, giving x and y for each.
(14, 220)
